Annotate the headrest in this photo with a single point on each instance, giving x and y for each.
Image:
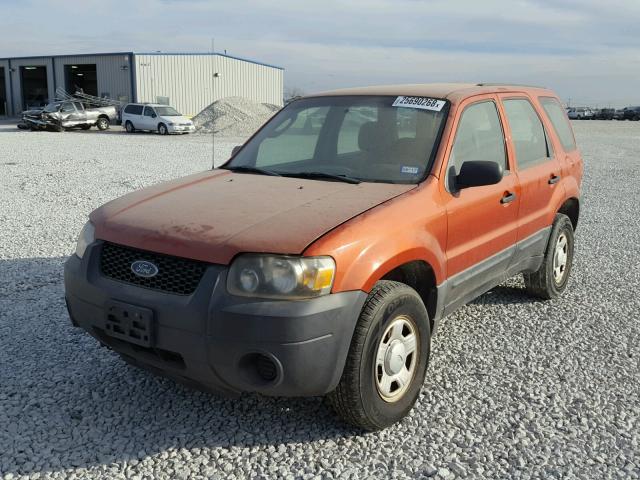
(373, 137)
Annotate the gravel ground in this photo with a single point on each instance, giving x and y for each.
(516, 388)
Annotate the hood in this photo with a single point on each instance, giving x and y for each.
(214, 215)
(176, 119)
(34, 112)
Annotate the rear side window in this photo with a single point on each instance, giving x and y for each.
(479, 137)
(133, 109)
(560, 123)
(527, 133)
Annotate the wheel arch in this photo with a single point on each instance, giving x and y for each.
(571, 208)
(419, 275)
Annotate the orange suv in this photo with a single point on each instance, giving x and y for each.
(320, 258)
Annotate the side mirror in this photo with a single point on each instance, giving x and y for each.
(153, 115)
(235, 150)
(477, 173)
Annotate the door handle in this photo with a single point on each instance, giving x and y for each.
(508, 197)
(554, 179)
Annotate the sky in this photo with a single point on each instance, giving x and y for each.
(588, 51)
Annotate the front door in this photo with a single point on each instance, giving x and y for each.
(149, 119)
(482, 221)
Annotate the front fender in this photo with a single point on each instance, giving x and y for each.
(408, 228)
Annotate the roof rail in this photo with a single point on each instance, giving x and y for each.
(489, 84)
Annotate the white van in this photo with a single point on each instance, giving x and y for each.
(155, 118)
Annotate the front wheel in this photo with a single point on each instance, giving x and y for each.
(102, 123)
(162, 129)
(387, 359)
(552, 277)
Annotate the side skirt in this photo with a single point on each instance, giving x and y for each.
(525, 256)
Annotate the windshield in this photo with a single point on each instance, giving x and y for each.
(167, 112)
(363, 138)
(52, 107)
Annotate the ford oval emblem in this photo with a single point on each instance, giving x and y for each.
(144, 269)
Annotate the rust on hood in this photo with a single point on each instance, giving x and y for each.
(213, 216)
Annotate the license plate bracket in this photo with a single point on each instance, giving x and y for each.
(130, 323)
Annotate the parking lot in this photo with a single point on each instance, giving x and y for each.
(516, 388)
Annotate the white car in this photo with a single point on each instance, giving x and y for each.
(581, 113)
(155, 118)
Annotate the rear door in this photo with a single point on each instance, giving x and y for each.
(538, 169)
(572, 159)
(482, 221)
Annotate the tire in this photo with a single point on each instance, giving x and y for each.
(128, 126)
(162, 129)
(552, 277)
(359, 397)
(85, 127)
(102, 124)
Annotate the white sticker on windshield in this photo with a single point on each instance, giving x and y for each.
(422, 103)
(411, 170)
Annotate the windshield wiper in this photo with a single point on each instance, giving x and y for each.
(248, 169)
(323, 175)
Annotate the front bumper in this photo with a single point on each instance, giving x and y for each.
(181, 128)
(220, 342)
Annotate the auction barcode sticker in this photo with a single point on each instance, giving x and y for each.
(423, 103)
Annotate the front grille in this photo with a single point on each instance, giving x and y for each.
(175, 275)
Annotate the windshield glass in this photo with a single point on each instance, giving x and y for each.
(52, 107)
(167, 112)
(359, 137)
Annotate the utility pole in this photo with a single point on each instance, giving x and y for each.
(214, 74)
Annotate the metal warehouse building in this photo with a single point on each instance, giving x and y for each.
(187, 81)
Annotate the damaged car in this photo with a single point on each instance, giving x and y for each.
(60, 116)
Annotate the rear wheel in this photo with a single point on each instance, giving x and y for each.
(552, 277)
(102, 123)
(387, 358)
(128, 126)
(162, 129)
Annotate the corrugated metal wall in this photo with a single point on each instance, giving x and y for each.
(16, 81)
(187, 80)
(113, 73)
(6, 95)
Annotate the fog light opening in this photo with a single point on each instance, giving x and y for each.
(260, 370)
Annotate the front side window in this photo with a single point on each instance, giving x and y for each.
(479, 137)
(361, 138)
(560, 123)
(148, 112)
(67, 107)
(527, 133)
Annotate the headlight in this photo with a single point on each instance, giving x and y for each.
(86, 237)
(170, 123)
(285, 277)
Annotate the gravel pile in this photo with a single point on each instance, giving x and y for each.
(234, 116)
(516, 388)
